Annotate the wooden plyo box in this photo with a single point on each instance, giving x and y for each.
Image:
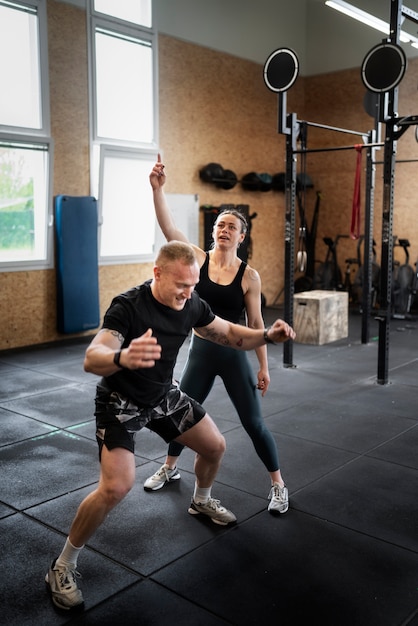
(320, 316)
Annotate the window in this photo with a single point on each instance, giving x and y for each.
(25, 153)
(127, 214)
(123, 104)
(24, 222)
(136, 11)
(124, 93)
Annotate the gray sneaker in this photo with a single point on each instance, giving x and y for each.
(62, 584)
(213, 509)
(161, 477)
(279, 499)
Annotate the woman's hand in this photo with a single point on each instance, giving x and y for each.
(157, 177)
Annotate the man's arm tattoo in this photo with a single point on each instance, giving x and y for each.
(115, 333)
(214, 336)
(217, 337)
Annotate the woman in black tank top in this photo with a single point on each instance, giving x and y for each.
(230, 287)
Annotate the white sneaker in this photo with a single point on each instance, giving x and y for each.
(213, 509)
(161, 477)
(62, 584)
(279, 499)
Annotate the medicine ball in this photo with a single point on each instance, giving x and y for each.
(279, 181)
(212, 172)
(303, 181)
(250, 182)
(264, 182)
(229, 180)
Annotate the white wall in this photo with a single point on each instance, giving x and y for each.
(245, 28)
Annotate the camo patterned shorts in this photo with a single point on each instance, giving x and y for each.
(118, 419)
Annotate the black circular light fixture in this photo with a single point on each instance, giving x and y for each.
(383, 67)
(281, 70)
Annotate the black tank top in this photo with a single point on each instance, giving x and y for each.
(226, 301)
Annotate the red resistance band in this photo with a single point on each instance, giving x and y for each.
(355, 215)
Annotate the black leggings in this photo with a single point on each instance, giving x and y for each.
(205, 361)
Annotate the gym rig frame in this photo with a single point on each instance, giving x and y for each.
(280, 73)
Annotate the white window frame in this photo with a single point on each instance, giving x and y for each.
(102, 146)
(47, 262)
(37, 137)
(143, 202)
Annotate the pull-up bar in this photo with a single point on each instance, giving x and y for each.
(397, 161)
(335, 128)
(336, 148)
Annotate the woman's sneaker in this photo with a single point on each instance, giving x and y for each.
(161, 477)
(213, 509)
(62, 584)
(279, 499)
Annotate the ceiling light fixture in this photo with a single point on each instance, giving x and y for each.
(369, 20)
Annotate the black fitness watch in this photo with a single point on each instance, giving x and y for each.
(116, 359)
(266, 337)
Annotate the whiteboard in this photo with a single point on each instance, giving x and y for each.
(185, 211)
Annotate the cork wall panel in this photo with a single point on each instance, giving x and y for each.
(406, 177)
(337, 99)
(216, 108)
(26, 298)
(114, 279)
(68, 72)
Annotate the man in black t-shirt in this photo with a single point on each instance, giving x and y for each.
(135, 353)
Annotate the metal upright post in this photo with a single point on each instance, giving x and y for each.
(389, 160)
(290, 227)
(368, 241)
(386, 256)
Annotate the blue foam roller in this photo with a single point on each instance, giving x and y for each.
(76, 226)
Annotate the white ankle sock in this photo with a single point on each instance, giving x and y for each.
(69, 554)
(201, 495)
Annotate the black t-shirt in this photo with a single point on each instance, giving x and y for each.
(131, 314)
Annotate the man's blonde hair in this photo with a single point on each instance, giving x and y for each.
(175, 251)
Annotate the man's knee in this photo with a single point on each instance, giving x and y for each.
(221, 444)
(206, 439)
(116, 491)
(117, 475)
(215, 446)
